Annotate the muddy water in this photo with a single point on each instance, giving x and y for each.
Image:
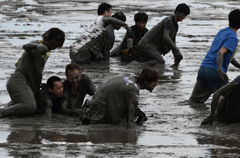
(173, 127)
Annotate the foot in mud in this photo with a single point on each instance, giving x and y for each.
(208, 120)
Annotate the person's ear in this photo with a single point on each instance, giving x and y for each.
(50, 90)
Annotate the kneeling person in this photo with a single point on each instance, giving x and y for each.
(117, 99)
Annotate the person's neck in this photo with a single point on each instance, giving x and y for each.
(235, 30)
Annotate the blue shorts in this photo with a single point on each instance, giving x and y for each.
(208, 82)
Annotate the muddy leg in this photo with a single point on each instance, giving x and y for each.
(23, 97)
(200, 93)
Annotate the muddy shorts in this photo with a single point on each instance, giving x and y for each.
(208, 82)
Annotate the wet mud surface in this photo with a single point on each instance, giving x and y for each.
(173, 127)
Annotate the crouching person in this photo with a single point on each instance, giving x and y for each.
(117, 99)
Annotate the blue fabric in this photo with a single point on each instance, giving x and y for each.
(209, 79)
(224, 38)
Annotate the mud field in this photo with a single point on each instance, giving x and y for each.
(173, 127)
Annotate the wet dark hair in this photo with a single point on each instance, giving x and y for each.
(148, 75)
(182, 8)
(72, 67)
(103, 7)
(54, 36)
(51, 80)
(140, 17)
(234, 19)
(119, 16)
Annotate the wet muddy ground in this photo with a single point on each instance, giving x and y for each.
(173, 127)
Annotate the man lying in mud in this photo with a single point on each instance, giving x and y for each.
(110, 36)
(24, 83)
(89, 46)
(138, 31)
(162, 38)
(227, 101)
(49, 100)
(76, 86)
(212, 72)
(117, 99)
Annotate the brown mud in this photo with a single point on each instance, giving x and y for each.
(173, 127)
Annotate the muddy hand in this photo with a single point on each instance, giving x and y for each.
(223, 76)
(208, 120)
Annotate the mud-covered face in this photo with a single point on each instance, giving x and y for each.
(141, 25)
(182, 16)
(151, 86)
(57, 91)
(74, 77)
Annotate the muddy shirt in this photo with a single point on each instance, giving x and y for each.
(116, 100)
(86, 86)
(46, 105)
(93, 37)
(162, 36)
(31, 64)
(229, 108)
(123, 44)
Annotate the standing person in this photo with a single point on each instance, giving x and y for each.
(138, 31)
(24, 83)
(90, 44)
(76, 86)
(162, 38)
(212, 72)
(110, 36)
(49, 100)
(228, 106)
(116, 100)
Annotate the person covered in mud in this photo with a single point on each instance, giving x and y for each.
(24, 83)
(116, 100)
(138, 31)
(89, 47)
(226, 101)
(212, 72)
(110, 36)
(76, 86)
(50, 100)
(159, 40)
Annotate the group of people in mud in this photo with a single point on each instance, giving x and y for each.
(116, 100)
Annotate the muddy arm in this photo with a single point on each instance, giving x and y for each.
(222, 91)
(123, 45)
(31, 47)
(114, 21)
(222, 75)
(235, 63)
(65, 110)
(132, 102)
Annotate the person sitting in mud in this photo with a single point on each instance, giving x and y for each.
(110, 36)
(76, 86)
(227, 101)
(49, 100)
(89, 46)
(116, 100)
(161, 38)
(138, 31)
(24, 83)
(212, 72)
